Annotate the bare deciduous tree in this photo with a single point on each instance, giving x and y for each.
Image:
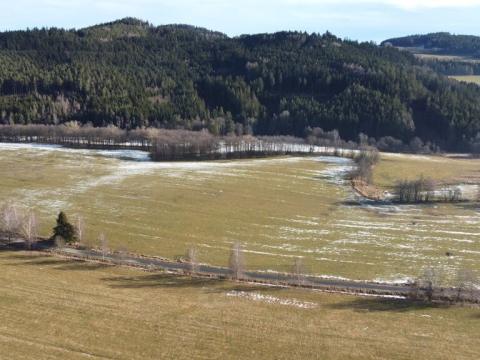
(415, 191)
(298, 271)
(80, 230)
(9, 220)
(102, 239)
(192, 258)
(429, 281)
(122, 252)
(465, 284)
(29, 229)
(365, 160)
(237, 262)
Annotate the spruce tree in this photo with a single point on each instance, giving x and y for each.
(64, 229)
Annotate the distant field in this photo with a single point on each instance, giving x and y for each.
(278, 209)
(471, 79)
(446, 58)
(58, 309)
(425, 54)
(394, 167)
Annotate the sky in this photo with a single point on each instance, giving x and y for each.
(364, 20)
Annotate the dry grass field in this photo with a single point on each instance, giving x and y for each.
(394, 167)
(278, 209)
(58, 309)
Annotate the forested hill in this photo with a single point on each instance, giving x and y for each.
(441, 43)
(131, 74)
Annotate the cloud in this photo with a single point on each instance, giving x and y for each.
(401, 4)
(422, 4)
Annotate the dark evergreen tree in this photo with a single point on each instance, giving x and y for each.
(64, 229)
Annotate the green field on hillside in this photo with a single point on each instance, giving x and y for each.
(278, 209)
(59, 309)
(468, 78)
(450, 170)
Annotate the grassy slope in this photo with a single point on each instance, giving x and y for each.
(57, 309)
(394, 167)
(472, 78)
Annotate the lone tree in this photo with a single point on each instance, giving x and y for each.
(192, 258)
(9, 220)
(80, 230)
(30, 229)
(102, 239)
(298, 271)
(429, 282)
(237, 262)
(64, 229)
(465, 283)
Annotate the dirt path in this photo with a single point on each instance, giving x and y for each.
(358, 287)
(205, 270)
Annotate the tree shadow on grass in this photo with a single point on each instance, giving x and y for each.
(38, 261)
(83, 266)
(160, 280)
(382, 304)
(471, 205)
(56, 263)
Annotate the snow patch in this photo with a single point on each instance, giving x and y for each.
(122, 154)
(269, 299)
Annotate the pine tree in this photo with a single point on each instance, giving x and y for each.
(64, 229)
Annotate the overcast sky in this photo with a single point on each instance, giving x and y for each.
(360, 19)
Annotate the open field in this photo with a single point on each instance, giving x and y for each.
(425, 54)
(59, 309)
(438, 57)
(279, 209)
(394, 167)
(469, 78)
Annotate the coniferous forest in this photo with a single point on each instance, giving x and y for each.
(132, 75)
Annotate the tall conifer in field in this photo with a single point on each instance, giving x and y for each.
(64, 229)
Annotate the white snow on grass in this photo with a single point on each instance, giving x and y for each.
(395, 280)
(414, 157)
(269, 299)
(123, 154)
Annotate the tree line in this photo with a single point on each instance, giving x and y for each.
(171, 145)
(134, 75)
(425, 190)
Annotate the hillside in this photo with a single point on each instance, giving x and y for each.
(441, 43)
(132, 74)
(447, 54)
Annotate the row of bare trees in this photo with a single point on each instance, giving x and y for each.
(415, 191)
(236, 264)
(163, 144)
(15, 222)
(20, 223)
(429, 287)
(365, 160)
(423, 190)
